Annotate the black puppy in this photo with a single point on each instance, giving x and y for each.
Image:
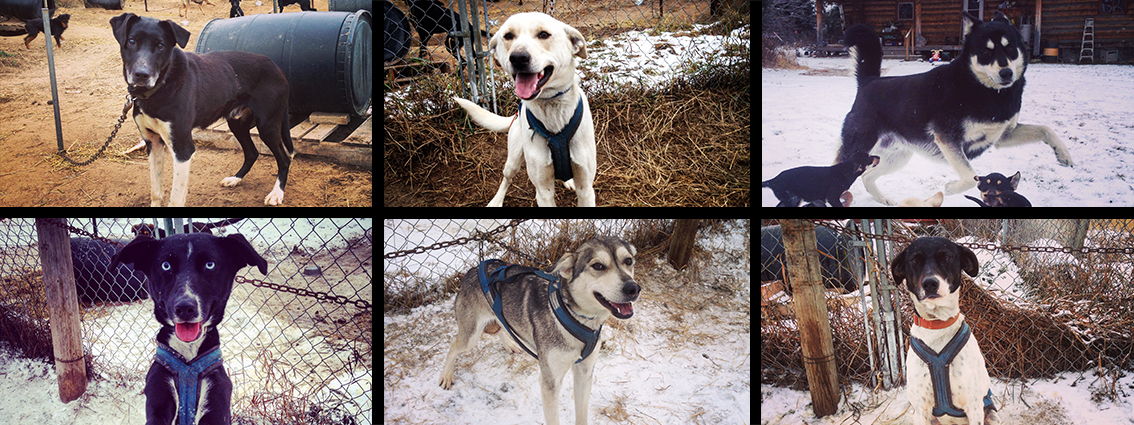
(35, 26)
(999, 191)
(819, 184)
(189, 277)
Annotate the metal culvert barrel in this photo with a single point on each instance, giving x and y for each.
(324, 55)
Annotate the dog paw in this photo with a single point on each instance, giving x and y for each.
(275, 197)
(959, 186)
(230, 181)
(1064, 158)
(447, 380)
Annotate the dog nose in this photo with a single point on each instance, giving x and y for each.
(929, 285)
(631, 289)
(520, 59)
(185, 310)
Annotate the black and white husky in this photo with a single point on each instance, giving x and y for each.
(953, 113)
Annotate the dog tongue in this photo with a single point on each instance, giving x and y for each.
(188, 331)
(624, 309)
(526, 85)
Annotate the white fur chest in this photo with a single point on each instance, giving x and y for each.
(968, 381)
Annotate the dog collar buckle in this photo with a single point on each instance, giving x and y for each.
(189, 374)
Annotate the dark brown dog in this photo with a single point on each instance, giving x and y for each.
(58, 24)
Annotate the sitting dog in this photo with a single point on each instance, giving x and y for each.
(189, 277)
(945, 372)
(555, 318)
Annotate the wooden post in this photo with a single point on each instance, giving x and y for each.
(59, 285)
(811, 312)
(681, 244)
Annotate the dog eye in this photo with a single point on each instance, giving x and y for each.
(165, 266)
(628, 261)
(210, 265)
(544, 35)
(598, 267)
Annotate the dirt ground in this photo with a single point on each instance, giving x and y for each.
(92, 91)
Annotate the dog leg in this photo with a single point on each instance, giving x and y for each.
(550, 382)
(275, 197)
(956, 157)
(498, 200)
(509, 343)
(1027, 133)
(157, 164)
(180, 182)
(583, 190)
(891, 161)
(511, 166)
(469, 329)
(283, 164)
(545, 196)
(543, 178)
(583, 373)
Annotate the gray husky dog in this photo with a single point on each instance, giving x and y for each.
(556, 317)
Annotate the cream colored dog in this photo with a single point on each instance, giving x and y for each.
(553, 129)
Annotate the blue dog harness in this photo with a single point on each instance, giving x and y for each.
(188, 374)
(559, 142)
(939, 372)
(490, 284)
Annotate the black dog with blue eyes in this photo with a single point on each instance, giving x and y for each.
(189, 277)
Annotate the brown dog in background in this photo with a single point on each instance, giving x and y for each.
(35, 26)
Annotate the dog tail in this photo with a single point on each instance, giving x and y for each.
(485, 118)
(866, 51)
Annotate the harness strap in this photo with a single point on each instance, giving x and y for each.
(188, 375)
(490, 283)
(559, 142)
(581, 332)
(939, 372)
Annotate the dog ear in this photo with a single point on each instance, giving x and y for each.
(577, 41)
(969, 262)
(565, 266)
(897, 266)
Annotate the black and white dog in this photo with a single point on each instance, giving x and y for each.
(189, 277)
(177, 91)
(945, 372)
(952, 113)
